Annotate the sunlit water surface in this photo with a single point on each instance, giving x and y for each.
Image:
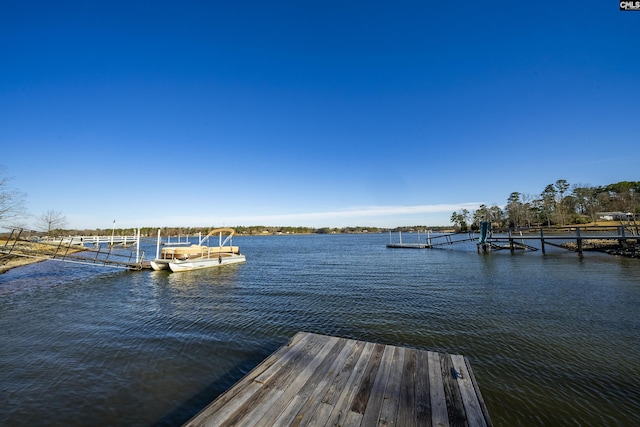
(552, 339)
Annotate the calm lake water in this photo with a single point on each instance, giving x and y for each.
(552, 339)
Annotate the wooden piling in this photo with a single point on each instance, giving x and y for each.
(579, 242)
(511, 247)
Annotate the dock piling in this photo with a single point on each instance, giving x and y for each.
(579, 242)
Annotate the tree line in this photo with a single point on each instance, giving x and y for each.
(559, 203)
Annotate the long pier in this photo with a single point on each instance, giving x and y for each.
(325, 380)
(519, 239)
(513, 242)
(73, 250)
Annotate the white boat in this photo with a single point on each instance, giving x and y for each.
(195, 257)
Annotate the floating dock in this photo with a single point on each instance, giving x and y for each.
(408, 245)
(428, 244)
(324, 380)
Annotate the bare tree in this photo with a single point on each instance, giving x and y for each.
(11, 201)
(515, 209)
(527, 207)
(51, 220)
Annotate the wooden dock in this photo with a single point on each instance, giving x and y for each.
(515, 239)
(327, 381)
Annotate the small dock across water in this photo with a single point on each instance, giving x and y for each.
(323, 380)
(432, 242)
(561, 237)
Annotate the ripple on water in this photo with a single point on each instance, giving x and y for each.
(552, 339)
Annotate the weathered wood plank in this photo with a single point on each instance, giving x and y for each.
(255, 411)
(364, 390)
(346, 373)
(391, 401)
(439, 416)
(277, 374)
(353, 419)
(298, 360)
(319, 388)
(249, 391)
(284, 358)
(374, 405)
(318, 380)
(318, 417)
(215, 415)
(422, 386)
(472, 408)
(407, 400)
(331, 347)
(472, 411)
(248, 405)
(288, 416)
(455, 407)
(346, 395)
(330, 367)
(483, 406)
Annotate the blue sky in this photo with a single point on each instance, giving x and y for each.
(322, 114)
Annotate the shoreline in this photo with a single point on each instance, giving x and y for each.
(9, 262)
(31, 254)
(607, 247)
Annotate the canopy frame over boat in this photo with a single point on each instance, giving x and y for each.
(202, 255)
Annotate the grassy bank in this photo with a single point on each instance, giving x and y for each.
(25, 253)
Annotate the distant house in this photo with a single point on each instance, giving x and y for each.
(614, 216)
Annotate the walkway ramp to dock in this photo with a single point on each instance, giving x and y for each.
(434, 241)
(71, 250)
(323, 380)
